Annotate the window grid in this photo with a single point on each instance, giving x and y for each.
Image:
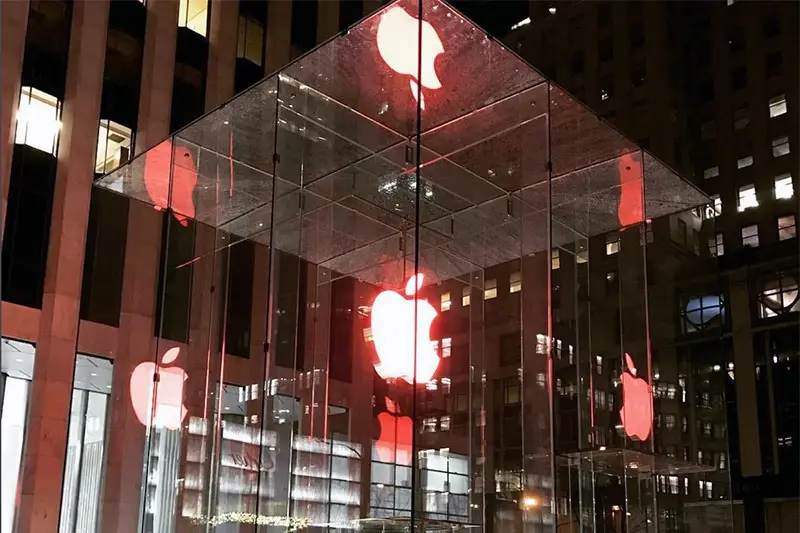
(750, 236)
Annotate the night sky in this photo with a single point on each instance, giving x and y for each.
(495, 16)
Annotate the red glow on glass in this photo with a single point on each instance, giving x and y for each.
(393, 332)
(630, 210)
(398, 44)
(157, 165)
(394, 443)
(636, 413)
(169, 410)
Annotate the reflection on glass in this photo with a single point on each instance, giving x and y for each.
(86, 438)
(17, 372)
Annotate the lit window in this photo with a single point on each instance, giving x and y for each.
(783, 186)
(613, 244)
(555, 259)
(703, 312)
(750, 236)
(714, 210)
(777, 106)
(671, 421)
(490, 289)
(38, 121)
(251, 40)
(447, 346)
(465, 292)
(780, 146)
(716, 246)
(744, 162)
(787, 228)
(113, 146)
(445, 301)
(747, 197)
(778, 295)
(515, 282)
(723, 461)
(444, 423)
(709, 173)
(193, 14)
(709, 489)
(429, 424)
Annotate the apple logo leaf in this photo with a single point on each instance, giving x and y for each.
(170, 355)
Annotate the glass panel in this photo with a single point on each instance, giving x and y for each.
(15, 378)
(375, 194)
(85, 464)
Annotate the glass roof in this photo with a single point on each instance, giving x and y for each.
(320, 157)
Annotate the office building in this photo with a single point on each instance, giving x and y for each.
(711, 89)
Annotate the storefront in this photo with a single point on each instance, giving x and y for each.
(434, 222)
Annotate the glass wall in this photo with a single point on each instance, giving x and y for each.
(15, 378)
(463, 285)
(86, 445)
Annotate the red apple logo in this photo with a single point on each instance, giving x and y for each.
(636, 413)
(169, 411)
(157, 165)
(394, 443)
(394, 335)
(398, 44)
(630, 211)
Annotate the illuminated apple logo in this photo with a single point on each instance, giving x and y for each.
(394, 443)
(157, 166)
(636, 413)
(630, 209)
(169, 411)
(398, 44)
(394, 335)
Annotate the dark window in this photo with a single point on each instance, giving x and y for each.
(636, 36)
(639, 76)
(104, 259)
(577, 63)
(576, 25)
(606, 50)
(291, 287)
(175, 279)
(604, 14)
(772, 26)
(342, 329)
(774, 64)
(241, 274)
(510, 349)
(607, 87)
(350, 12)
(736, 39)
(705, 91)
(27, 225)
(739, 78)
(304, 25)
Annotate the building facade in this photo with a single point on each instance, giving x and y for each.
(719, 80)
(95, 284)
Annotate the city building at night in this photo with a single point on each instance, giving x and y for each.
(402, 281)
(720, 81)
